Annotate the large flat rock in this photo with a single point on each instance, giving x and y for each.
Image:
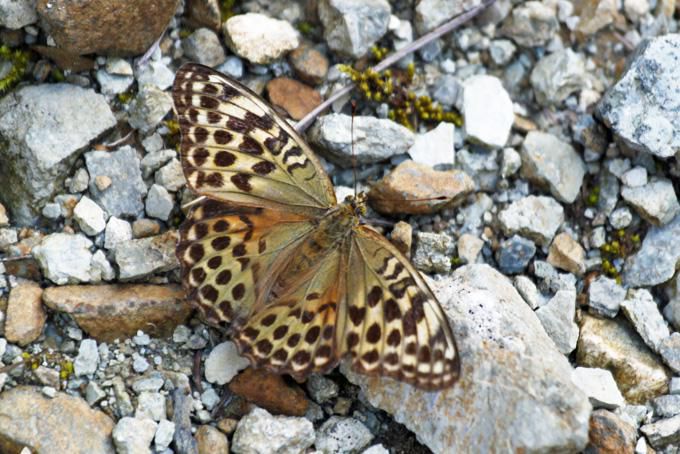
(515, 393)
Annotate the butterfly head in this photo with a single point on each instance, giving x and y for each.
(357, 203)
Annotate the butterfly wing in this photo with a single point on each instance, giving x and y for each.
(235, 148)
(228, 252)
(393, 324)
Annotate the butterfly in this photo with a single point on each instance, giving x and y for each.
(297, 279)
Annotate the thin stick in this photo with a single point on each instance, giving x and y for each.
(447, 27)
(354, 156)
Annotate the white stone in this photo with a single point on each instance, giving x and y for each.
(261, 433)
(159, 202)
(557, 317)
(90, 216)
(15, 14)
(600, 387)
(64, 258)
(101, 268)
(342, 435)
(117, 231)
(485, 121)
(511, 162)
(223, 363)
(529, 292)
(151, 405)
(635, 177)
(534, 217)
(171, 175)
(88, 358)
(435, 146)
(164, 433)
(259, 38)
(656, 201)
(642, 311)
(133, 436)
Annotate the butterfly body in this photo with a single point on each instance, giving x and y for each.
(299, 281)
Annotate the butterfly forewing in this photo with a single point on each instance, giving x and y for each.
(236, 148)
(298, 289)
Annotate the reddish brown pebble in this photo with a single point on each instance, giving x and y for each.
(609, 434)
(25, 314)
(294, 97)
(309, 64)
(270, 391)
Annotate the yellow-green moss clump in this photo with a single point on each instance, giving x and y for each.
(391, 87)
(18, 64)
(621, 246)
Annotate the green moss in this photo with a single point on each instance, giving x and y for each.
(593, 196)
(306, 28)
(621, 244)
(19, 64)
(227, 9)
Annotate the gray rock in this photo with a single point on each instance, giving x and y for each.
(145, 256)
(164, 433)
(154, 73)
(641, 309)
(79, 181)
(151, 405)
(125, 194)
(232, 66)
(45, 129)
(657, 259)
(531, 24)
(139, 363)
(495, 330)
(223, 363)
(481, 164)
(447, 90)
(558, 75)
(154, 160)
(599, 386)
(605, 296)
(89, 216)
(642, 108)
(557, 317)
(112, 84)
(159, 203)
(171, 176)
(342, 435)
(435, 146)
(669, 349)
(351, 27)
(656, 201)
(635, 177)
(259, 432)
(469, 247)
(321, 389)
(511, 162)
(375, 139)
(94, 393)
(88, 358)
(674, 386)
(528, 290)
(534, 217)
(133, 436)
(203, 46)
(7, 238)
(620, 218)
(16, 14)
(432, 13)
(100, 268)
(149, 107)
(259, 38)
(64, 258)
(552, 163)
(514, 254)
(433, 252)
(666, 406)
(665, 432)
(609, 193)
(117, 231)
(488, 123)
(502, 51)
(210, 398)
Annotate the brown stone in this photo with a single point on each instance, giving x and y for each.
(270, 391)
(108, 27)
(65, 59)
(204, 13)
(309, 64)
(58, 425)
(609, 434)
(25, 314)
(294, 97)
(402, 237)
(143, 228)
(413, 188)
(565, 253)
(211, 441)
(614, 345)
(109, 312)
(227, 425)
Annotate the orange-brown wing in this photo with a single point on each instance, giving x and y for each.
(228, 253)
(393, 325)
(235, 148)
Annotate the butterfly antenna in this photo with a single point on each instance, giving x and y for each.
(354, 157)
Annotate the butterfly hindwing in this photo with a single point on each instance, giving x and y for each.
(395, 327)
(237, 149)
